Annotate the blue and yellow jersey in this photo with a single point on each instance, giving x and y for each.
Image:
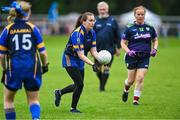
(139, 37)
(79, 40)
(20, 41)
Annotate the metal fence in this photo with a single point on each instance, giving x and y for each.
(170, 24)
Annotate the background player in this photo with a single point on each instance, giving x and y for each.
(108, 38)
(139, 36)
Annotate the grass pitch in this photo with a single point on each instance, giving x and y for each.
(160, 98)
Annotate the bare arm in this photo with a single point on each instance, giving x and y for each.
(44, 58)
(94, 52)
(84, 58)
(124, 46)
(2, 61)
(155, 43)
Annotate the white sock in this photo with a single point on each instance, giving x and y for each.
(137, 93)
(126, 82)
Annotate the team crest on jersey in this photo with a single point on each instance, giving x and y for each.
(147, 28)
(108, 24)
(78, 40)
(134, 30)
(98, 25)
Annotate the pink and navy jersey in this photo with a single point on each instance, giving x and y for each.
(20, 41)
(139, 37)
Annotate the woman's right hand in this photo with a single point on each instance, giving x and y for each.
(95, 68)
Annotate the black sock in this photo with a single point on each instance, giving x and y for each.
(104, 80)
(99, 75)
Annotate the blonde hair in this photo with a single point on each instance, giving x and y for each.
(139, 7)
(26, 7)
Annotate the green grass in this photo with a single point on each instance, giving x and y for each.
(160, 98)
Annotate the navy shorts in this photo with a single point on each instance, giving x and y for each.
(31, 83)
(141, 60)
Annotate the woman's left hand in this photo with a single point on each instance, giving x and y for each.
(153, 52)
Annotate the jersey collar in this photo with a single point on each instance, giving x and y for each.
(84, 29)
(20, 20)
(139, 24)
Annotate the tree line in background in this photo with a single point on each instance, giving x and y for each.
(161, 7)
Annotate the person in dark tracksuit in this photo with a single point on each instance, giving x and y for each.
(108, 38)
(20, 43)
(139, 36)
(81, 41)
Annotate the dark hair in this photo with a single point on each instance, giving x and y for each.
(81, 18)
(78, 22)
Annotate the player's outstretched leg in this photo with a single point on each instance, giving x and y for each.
(125, 96)
(126, 91)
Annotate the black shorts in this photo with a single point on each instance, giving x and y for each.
(141, 60)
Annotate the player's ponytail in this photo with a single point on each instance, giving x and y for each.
(20, 9)
(78, 22)
(26, 7)
(12, 14)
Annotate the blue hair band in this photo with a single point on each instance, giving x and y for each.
(17, 8)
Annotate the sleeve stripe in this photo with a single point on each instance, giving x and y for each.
(78, 49)
(77, 46)
(40, 45)
(41, 49)
(3, 48)
(94, 43)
